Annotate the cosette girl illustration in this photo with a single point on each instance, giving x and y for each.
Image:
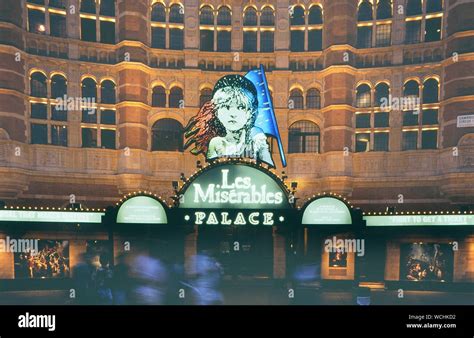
(225, 126)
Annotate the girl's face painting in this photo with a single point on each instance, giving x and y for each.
(233, 108)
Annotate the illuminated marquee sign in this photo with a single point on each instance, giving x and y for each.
(420, 220)
(142, 210)
(50, 216)
(234, 194)
(236, 121)
(327, 210)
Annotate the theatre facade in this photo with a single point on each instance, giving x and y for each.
(245, 215)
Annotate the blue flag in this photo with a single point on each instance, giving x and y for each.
(266, 119)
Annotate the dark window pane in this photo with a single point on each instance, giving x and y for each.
(433, 29)
(383, 36)
(384, 9)
(107, 7)
(363, 96)
(430, 91)
(59, 135)
(413, 7)
(206, 95)
(381, 120)
(36, 21)
(89, 115)
(39, 111)
(303, 137)
(413, 31)
(362, 120)
(297, 16)
(410, 139)
(58, 113)
(410, 118)
(39, 134)
(315, 40)
(365, 11)
(158, 13)
(268, 17)
(57, 24)
(266, 41)
(88, 30)
(57, 3)
(223, 41)
(88, 6)
(167, 135)
(296, 99)
(315, 16)
(313, 99)
(176, 98)
(297, 41)
(380, 141)
(38, 85)
(250, 41)
(89, 138)
(206, 17)
(58, 87)
(107, 32)
(434, 6)
(382, 92)
(429, 139)
(89, 89)
(158, 37)
(207, 40)
(250, 17)
(176, 39)
(362, 142)
(430, 116)
(107, 138)
(364, 37)
(158, 97)
(224, 17)
(107, 116)
(107, 92)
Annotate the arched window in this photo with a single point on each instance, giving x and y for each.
(268, 17)
(158, 12)
(167, 135)
(158, 97)
(434, 6)
(364, 12)
(250, 17)
(88, 6)
(58, 86)
(107, 92)
(384, 9)
(38, 85)
(297, 16)
(303, 137)
(430, 91)
(382, 92)
(413, 7)
(176, 97)
(107, 7)
(176, 13)
(89, 88)
(363, 96)
(296, 99)
(411, 89)
(205, 96)
(224, 16)
(313, 99)
(206, 16)
(315, 16)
